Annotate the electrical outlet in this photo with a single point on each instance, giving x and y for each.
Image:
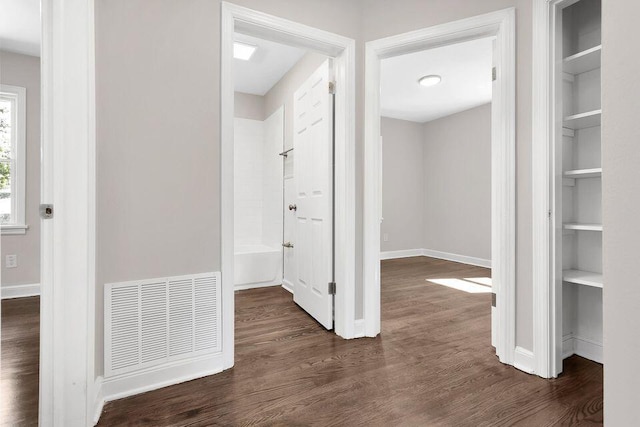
(385, 237)
(11, 261)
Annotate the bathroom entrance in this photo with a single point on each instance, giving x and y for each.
(283, 173)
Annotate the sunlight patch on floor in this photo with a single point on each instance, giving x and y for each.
(480, 280)
(472, 286)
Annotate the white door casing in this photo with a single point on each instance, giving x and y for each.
(289, 272)
(501, 25)
(313, 169)
(494, 124)
(342, 50)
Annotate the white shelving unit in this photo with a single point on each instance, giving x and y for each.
(584, 120)
(582, 227)
(579, 183)
(581, 62)
(585, 278)
(584, 173)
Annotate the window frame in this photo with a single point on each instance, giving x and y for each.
(18, 96)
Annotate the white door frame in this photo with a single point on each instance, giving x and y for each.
(67, 315)
(547, 292)
(500, 24)
(342, 49)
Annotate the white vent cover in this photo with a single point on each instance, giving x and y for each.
(152, 322)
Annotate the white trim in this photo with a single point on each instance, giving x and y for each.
(406, 253)
(287, 285)
(98, 400)
(409, 253)
(359, 328)
(141, 381)
(246, 286)
(464, 259)
(67, 333)
(500, 24)
(582, 347)
(11, 229)
(20, 291)
(19, 197)
(259, 24)
(547, 294)
(523, 360)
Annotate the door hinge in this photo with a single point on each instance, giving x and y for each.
(493, 299)
(332, 88)
(494, 74)
(332, 288)
(549, 213)
(46, 211)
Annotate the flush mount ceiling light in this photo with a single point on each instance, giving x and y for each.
(431, 80)
(243, 51)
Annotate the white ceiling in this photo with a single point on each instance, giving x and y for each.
(466, 81)
(269, 63)
(20, 26)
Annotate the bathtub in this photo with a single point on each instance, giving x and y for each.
(257, 266)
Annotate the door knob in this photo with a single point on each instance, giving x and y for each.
(288, 245)
(293, 208)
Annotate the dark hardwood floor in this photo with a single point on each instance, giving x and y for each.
(432, 365)
(19, 364)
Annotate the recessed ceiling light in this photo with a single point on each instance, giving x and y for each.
(243, 51)
(431, 80)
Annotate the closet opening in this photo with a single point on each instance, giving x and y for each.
(569, 281)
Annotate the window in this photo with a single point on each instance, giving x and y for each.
(12, 159)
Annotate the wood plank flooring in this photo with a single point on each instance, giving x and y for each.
(432, 366)
(19, 365)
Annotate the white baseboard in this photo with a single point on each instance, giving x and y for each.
(20, 291)
(358, 328)
(257, 285)
(407, 253)
(486, 263)
(583, 347)
(136, 382)
(98, 400)
(287, 285)
(523, 360)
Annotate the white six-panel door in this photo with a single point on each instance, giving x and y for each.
(313, 171)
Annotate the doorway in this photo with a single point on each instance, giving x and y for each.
(501, 26)
(283, 172)
(236, 19)
(20, 183)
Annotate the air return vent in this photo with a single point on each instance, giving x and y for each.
(151, 322)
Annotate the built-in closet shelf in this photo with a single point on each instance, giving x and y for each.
(584, 61)
(582, 227)
(585, 278)
(583, 120)
(584, 173)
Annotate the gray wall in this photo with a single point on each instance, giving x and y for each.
(24, 71)
(621, 203)
(247, 106)
(158, 132)
(457, 183)
(436, 186)
(157, 112)
(382, 18)
(402, 184)
(149, 52)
